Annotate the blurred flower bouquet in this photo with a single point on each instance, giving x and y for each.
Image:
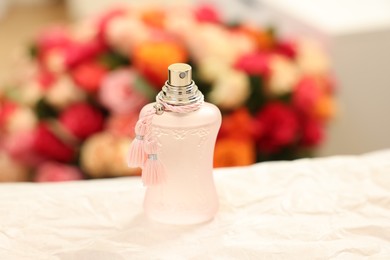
(72, 115)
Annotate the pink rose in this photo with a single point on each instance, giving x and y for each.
(207, 13)
(287, 48)
(118, 93)
(53, 172)
(82, 120)
(83, 51)
(45, 79)
(306, 95)
(89, 75)
(20, 146)
(253, 63)
(54, 37)
(46, 144)
(122, 124)
(56, 48)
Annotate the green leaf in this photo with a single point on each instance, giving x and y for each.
(257, 98)
(113, 60)
(143, 87)
(12, 93)
(45, 110)
(33, 51)
(285, 98)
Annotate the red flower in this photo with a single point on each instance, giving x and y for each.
(80, 52)
(312, 133)
(280, 126)
(48, 145)
(253, 64)
(89, 75)
(82, 120)
(305, 95)
(207, 13)
(287, 48)
(52, 172)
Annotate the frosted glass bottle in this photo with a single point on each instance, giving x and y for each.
(186, 146)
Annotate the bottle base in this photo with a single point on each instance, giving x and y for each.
(180, 219)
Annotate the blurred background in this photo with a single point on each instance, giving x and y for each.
(293, 79)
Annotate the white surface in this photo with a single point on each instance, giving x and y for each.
(333, 208)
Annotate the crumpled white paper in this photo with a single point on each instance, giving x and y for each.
(331, 208)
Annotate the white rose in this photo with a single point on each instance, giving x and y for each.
(104, 155)
(55, 60)
(284, 75)
(311, 59)
(84, 31)
(209, 40)
(211, 68)
(241, 44)
(23, 119)
(30, 93)
(64, 92)
(123, 33)
(181, 22)
(230, 90)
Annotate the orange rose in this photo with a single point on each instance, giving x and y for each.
(239, 125)
(233, 152)
(152, 59)
(154, 18)
(263, 39)
(325, 107)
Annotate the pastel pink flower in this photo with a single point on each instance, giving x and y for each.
(118, 93)
(19, 146)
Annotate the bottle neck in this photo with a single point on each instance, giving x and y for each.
(180, 95)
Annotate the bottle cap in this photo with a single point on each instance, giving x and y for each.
(180, 89)
(179, 75)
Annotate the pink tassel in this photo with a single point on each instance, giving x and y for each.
(137, 155)
(153, 171)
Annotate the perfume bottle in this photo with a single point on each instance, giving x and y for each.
(185, 146)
